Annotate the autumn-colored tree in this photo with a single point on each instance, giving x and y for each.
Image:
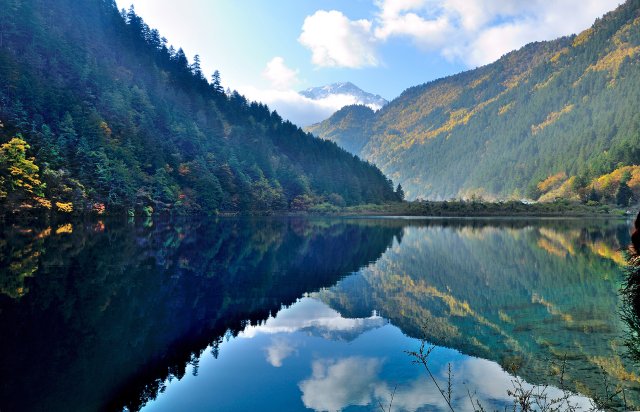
(19, 179)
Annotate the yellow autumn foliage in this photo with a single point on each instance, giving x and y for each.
(551, 308)
(545, 83)
(615, 367)
(612, 61)
(608, 183)
(566, 240)
(41, 201)
(550, 248)
(105, 129)
(564, 191)
(479, 81)
(459, 117)
(552, 182)
(64, 229)
(551, 119)
(504, 109)
(64, 207)
(582, 37)
(20, 173)
(603, 250)
(556, 57)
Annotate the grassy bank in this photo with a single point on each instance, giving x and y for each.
(473, 209)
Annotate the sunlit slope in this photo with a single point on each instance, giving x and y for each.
(565, 106)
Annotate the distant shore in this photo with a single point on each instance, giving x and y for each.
(476, 209)
(427, 209)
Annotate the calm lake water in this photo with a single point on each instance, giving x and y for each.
(309, 314)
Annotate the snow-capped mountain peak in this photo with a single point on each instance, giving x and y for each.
(346, 89)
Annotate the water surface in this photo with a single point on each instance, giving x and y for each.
(308, 314)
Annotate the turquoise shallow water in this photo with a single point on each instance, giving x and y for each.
(308, 314)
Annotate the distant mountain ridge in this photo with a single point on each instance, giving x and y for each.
(548, 119)
(370, 100)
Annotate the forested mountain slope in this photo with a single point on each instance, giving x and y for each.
(117, 119)
(565, 109)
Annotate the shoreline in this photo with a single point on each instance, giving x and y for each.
(405, 210)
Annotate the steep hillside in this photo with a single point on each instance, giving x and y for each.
(348, 127)
(561, 107)
(117, 119)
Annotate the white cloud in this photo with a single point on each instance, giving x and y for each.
(336, 41)
(279, 350)
(479, 32)
(335, 385)
(401, 18)
(475, 32)
(280, 76)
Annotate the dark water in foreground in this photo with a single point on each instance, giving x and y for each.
(297, 314)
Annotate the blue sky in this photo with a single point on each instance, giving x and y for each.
(270, 49)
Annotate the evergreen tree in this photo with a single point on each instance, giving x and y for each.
(195, 67)
(216, 82)
(593, 195)
(624, 195)
(399, 192)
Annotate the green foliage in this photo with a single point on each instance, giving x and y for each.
(400, 192)
(348, 127)
(107, 105)
(477, 207)
(548, 108)
(624, 195)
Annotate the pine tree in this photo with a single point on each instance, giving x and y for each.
(624, 195)
(400, 192)
(216, 83)
(196, 68)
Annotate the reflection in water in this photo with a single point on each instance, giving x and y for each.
(631, 294)
(330, 373)
(523, 298)
(208, 315)
(111, 310)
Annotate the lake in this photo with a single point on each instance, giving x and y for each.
(288, 314)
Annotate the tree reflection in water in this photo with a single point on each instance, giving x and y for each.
(631, 294)
(96, 315)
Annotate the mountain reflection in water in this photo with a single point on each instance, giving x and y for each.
(288, 314)
(324, 362)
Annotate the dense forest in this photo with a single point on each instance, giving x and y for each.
(98, 112)
(553, 119)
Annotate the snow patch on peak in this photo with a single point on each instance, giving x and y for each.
(346, 91)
